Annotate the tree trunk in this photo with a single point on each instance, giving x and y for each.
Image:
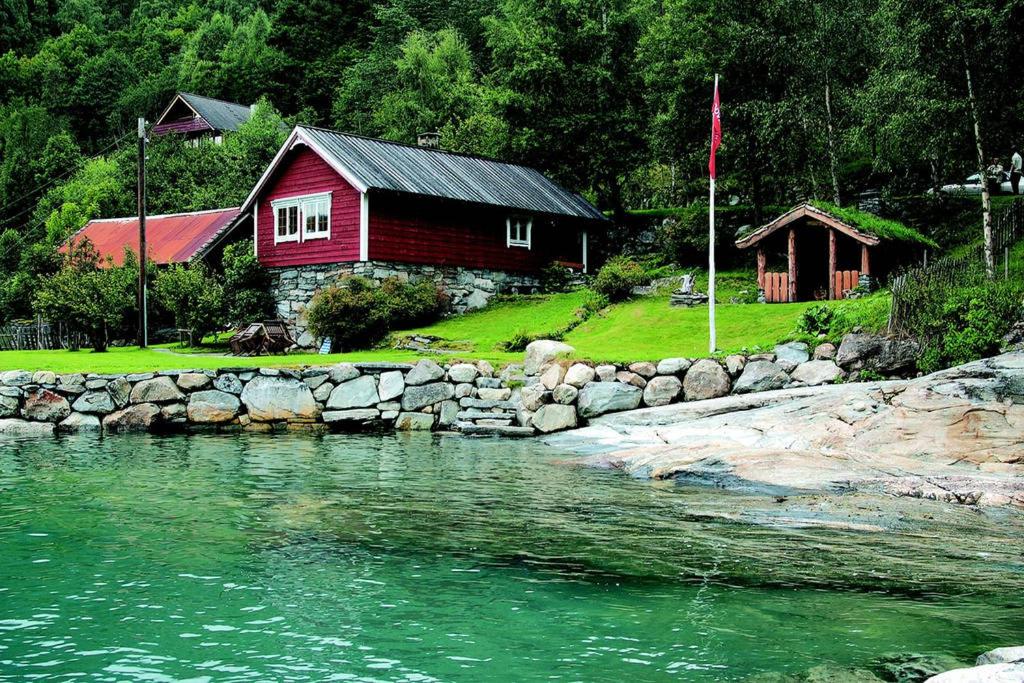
(986, 199)
(832, 163)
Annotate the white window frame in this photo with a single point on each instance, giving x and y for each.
(519, 240)
(301, 204)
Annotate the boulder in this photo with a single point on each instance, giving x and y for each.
(98, 402)
(353, 416)
(421, 396)
(343, 372)
(1002, 655)
(541, 352)
(502, 394)
(323, 392)
(815, 372)
(212, 407)
(492, 382)
(598, 398)
(138, 417)
(360, 392)
(80, 422)
(579, 374)
(873, 352)
(15, 378)
(761, 375)
(314, 381)
(791, 354)
(897, 356)
(706, 379)
(673, 366)
(412, 422)
(279, 398)
(462, 372)
(228, 382)
(564, 394)
(71, 384)
(485, 368)
(554, 417)
(551, 375)
(156, 390)
(44, 377)
(533, 396)
(464, 390)
(605, 373)
(120, 391)
(826, 351)
(662, 390)
(8, 406)
(627, 377)
(14, 427)
(424, 372)
(191, 381)
(43, 405)
(988, 673)
(174, 413)
(734, 365)
(96, 383)
(644, 369)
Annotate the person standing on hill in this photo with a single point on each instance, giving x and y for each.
(1015, 171)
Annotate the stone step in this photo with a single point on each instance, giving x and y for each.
(470, 429)
(471, 415)
(484, 404)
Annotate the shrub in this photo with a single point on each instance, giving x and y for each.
(618, 277)
(815, 320)
(193, 296)
(247, 285)
(357, 313)
(971, 324)
(555, 278)
(97, 302)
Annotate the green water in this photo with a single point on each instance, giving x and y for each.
(303, 558)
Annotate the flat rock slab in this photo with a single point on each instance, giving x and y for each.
(271, 399)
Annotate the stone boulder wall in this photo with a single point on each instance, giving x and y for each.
(535, 397)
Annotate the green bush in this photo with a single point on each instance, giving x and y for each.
(356, 313)
(971, 324)
(247, 284)
(815, 320)
(618, 277)
(555, 278)
(193, 296)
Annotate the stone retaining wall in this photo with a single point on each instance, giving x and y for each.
(544, 394)
(469, 288)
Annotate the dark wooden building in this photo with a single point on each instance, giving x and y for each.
(199, 118)
(815, 252)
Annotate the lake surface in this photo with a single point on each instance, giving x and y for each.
(390, 558)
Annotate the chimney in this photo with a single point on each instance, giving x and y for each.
(431, 140)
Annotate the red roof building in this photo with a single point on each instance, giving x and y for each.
(171, 238)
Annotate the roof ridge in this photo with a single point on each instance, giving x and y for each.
(435, 150)
(163, 215)
(214, 99)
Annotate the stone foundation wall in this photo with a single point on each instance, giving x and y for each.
(544, 394)
(469, 288)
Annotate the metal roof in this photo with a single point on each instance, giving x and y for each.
(219, 114)
(171, 238)
(386, 165)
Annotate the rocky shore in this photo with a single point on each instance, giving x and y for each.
(956, 436)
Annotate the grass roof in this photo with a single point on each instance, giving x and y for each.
(874, 225)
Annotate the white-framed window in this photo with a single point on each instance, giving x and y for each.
(306, 217)
(519, 231)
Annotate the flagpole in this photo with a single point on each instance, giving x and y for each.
(711, 255)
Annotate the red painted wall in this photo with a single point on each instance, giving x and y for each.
(416, 229)
(306, 173)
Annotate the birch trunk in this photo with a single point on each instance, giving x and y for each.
(986, 199)
(831, 144)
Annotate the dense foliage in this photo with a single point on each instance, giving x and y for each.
(357, 313)
(246, 285)
(193, 296)
(617, 278)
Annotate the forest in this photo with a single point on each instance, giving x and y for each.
(611, 97)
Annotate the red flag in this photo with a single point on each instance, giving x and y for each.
(716, 130)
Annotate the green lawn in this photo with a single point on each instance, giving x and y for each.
(642, 329)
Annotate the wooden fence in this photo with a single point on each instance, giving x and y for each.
(28, 335)
(942, 275)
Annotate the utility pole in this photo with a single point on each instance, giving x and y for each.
(143, 339)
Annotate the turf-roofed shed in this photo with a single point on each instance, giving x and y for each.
(827, 251)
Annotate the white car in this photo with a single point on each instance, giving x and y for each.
(972, 185)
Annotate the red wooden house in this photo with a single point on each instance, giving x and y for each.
(332, 203)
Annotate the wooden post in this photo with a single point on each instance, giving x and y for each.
(832, 293)
(762, 260)
(792, 264)
(865, 264)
